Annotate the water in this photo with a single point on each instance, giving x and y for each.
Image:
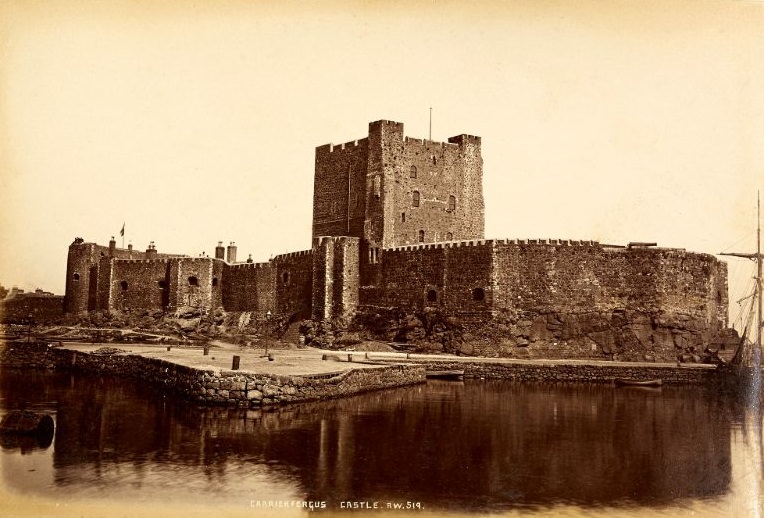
(472, 448)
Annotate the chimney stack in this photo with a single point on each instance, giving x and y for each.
(231, 253)
(219, 251)
(151, 251)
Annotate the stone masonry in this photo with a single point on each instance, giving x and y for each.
(398, 222)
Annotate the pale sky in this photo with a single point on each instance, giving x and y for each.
(196, 122)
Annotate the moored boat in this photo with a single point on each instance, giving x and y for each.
(638, 383)
(449, 375)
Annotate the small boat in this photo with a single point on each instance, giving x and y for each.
(637, 383)
(447, 375)
(26, 422)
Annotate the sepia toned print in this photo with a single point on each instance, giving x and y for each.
(519, 283)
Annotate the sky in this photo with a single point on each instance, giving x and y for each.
(196, 122)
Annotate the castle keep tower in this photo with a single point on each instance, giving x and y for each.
(390, 190)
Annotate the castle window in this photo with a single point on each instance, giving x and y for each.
(415, 199)
(123, 285)
(403, 217)
(432, 296)
(162, 284)
(449, 236)
(478, 294)
(451, 203)
(214, 282)
(413, 171)
(193, 281)
(421, 236)
(434, 160)
(285, 278)
(377, 187)
(373, 255)
(76, 277)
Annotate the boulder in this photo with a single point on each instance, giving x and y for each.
(26, 422)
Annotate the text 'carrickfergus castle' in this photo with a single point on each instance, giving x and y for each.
(398, 222)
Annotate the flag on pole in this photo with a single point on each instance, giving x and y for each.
(122, 232)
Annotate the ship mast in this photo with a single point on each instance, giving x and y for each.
(758, 258)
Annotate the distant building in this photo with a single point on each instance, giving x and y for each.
(18, 306)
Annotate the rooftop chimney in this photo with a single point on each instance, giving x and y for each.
(231, 258)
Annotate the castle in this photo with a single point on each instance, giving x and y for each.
(399, 222)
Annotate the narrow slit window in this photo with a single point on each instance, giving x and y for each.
(412, 171)
(451, 203)
(421, 236)
(415, 199)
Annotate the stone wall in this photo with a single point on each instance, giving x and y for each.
(42, 308)
(454, 277)
(578, 372)
(339, 189)
(294, 284)
(249, 287)
(335, 277)
(90, 273)
(560, 299)
(191, 282)
(447, 180)
(138, 283)
(209, 386)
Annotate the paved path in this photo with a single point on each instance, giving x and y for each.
(308, 361)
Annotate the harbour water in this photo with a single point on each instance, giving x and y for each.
(472, 448)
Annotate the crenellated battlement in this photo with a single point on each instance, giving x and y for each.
(163, 260)
(195, 259)
(292, 255)
(351, 146)
(387, 124)
(465, 139)
(495, 242)
(248, 266)
(429, 143)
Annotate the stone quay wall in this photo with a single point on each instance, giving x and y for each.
(213, 387)
(577, 372)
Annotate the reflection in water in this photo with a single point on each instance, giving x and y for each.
(470, 446)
